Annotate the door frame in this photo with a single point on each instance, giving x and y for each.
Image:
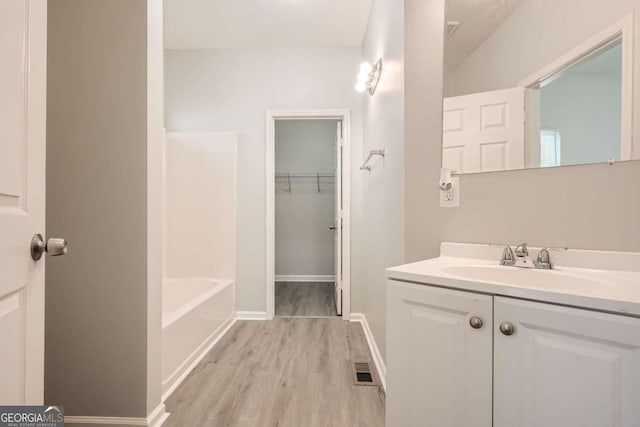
(622, 30)
(307, 114)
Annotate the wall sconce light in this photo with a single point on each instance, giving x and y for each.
(369, 77)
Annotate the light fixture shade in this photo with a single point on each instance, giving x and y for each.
(361, 87)
(369, 76)
(366, 68)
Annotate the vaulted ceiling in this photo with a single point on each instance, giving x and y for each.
(478, 19)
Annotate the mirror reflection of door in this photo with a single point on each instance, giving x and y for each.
(577, 83)
(484, 132)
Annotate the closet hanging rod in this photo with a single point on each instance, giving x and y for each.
(317, 179)
(313, 175)
(365, 166)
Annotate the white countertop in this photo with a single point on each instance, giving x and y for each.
(613, 284)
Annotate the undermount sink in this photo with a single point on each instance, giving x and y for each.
(520, 276)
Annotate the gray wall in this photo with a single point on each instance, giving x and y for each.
(96, 297)
(594, 206)
(382, 244)
(304, 244)
(230, 90)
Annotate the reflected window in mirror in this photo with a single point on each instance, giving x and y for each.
(526, 86)
(550, 148)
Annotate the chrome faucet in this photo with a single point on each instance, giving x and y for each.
(522, 250)
(522, 257)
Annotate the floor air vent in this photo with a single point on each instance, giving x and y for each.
(362, 374)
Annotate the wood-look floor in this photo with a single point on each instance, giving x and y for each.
(287, 372)
(305, 299)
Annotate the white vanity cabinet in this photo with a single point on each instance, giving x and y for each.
(438, 365)
(565, 366)
(548, 366)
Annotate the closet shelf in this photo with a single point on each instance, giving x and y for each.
(318, 182)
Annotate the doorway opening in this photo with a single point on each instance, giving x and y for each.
(307, 214)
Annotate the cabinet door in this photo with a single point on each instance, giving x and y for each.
(565, 367)
(438, 366)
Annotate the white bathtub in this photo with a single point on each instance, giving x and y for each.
(195, 310)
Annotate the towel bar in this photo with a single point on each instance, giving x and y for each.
(365, 166)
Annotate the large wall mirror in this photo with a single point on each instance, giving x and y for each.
(538, 83)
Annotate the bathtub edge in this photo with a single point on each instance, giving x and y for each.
(197, 356)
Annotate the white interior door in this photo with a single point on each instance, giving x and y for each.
(338, 220)
(22, 198)
(484, 131)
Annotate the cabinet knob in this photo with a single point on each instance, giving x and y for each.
(507, 328)
(475, 322)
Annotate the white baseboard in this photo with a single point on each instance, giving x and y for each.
(375, 351)
(105, 421)
(158, 416)
(304, 278)
(251, 315)
(155, 419)
(198, 355)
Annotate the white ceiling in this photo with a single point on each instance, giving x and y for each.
(213, 24)
(478, 19)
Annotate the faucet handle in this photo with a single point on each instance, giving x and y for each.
(508, 258)
(543, 260)
(521, 250)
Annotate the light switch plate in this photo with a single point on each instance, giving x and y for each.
(451, 198)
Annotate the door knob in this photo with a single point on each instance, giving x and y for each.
(507, 328)
(332, 227)
(475, 322)
(53, 247)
